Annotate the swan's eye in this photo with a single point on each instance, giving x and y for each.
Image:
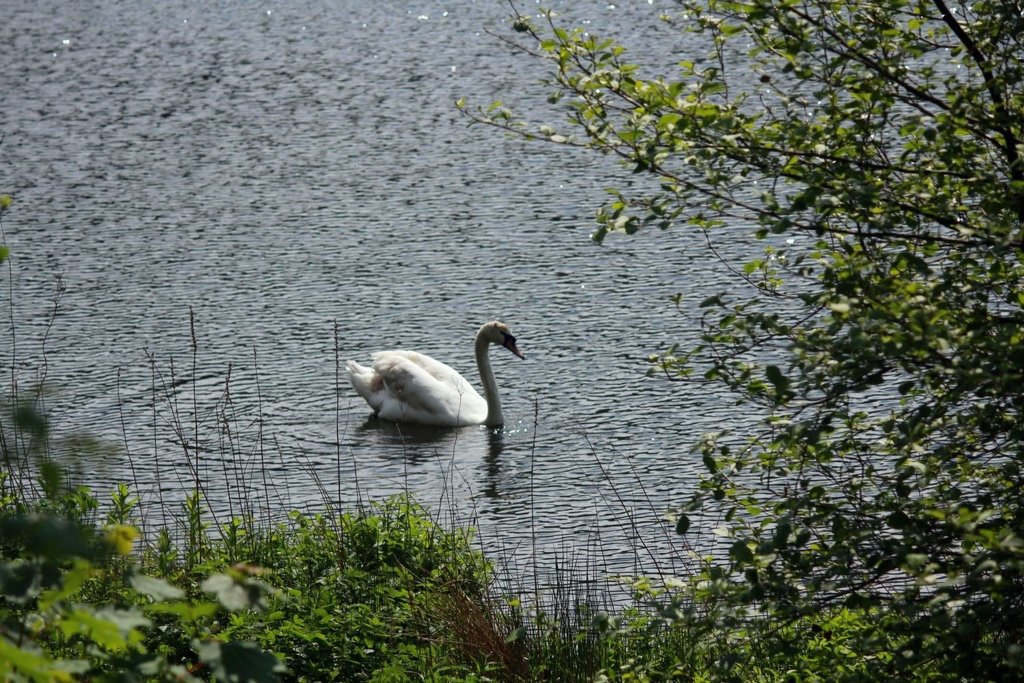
(509, 339)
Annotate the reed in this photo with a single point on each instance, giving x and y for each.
(390, 588)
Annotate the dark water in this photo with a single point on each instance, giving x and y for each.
(282, 168)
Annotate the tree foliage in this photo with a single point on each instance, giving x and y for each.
(875, 151)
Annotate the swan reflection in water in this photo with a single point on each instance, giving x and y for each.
(420, 443)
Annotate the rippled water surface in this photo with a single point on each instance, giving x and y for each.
(284, 168)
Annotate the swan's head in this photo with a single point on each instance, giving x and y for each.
(496, 332)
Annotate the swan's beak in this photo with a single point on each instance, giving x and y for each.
(510, 344)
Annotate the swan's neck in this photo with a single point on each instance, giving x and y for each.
(483, 362)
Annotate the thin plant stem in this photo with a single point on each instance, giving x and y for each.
(128, 454)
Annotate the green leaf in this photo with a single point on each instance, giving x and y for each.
(669, 121)
(516, 635)
(709, 463)
(157, 589)
(774, 375)
(47, 536)
(741, 553)
(782, 531)
(20, 581)
(237, 592)
(778, 381)
(110, 628)
(35, 664)
(71, 580)
(239, 662)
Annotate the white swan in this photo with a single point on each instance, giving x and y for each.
(405, 386)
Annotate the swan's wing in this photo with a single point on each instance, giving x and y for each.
(421, 389)
(440, 371)
(436, 369)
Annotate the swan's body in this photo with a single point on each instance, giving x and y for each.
(405, 386)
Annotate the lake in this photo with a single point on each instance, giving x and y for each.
(297, 175)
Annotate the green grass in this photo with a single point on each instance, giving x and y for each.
(382, 594)
(93, 589)
(362, 596)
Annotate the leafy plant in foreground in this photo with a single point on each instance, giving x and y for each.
(75, 604)
(361, 595)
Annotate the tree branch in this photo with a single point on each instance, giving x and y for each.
(1010, 141)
